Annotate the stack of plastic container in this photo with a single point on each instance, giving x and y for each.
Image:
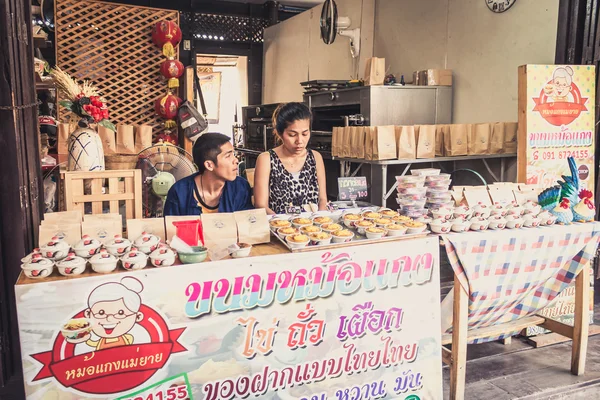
(438, 191)
(412, 196)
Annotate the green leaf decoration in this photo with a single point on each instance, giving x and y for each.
(107, 124)
(66, 104)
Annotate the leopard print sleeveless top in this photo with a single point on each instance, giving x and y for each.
(286, 189)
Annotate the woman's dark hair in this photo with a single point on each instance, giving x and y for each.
(207, 147)
(288, 113)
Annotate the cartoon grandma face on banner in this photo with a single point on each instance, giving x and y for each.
(113, 311)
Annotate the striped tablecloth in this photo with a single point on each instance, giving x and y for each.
(511, 274)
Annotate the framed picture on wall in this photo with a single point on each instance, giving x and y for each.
(210, 82)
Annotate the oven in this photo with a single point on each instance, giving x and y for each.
(258, 127)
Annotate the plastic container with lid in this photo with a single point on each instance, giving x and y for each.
(87, 246)
(38, 267)
(56, 249)
(104, 262)
(147, 242)
(162, 257)
(72, 265)
(118, 246)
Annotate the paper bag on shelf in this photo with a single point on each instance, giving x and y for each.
(510, 137)
(102, 229)
(441, 132)
(154, 226)
(375, 71)
(252, 226)
(70, 232)
(125, 141)
(426, 141)
(353, 142)
(63, 216)
(497, 138)
(369, 135)
(346, 143)
(456, 144)
(501, 194)
(384, 143)
(143, 137)
(62, 137)
(477, 194)
(334, 140)
(107, 136)
(479, 139)
(102, 217)
(406, 142)
(359, 139)
(220, 230)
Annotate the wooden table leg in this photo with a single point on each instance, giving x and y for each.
(581, 325)
(460, 321)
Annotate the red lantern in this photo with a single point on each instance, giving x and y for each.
(166, 35)
(166, 106)
(166, 137)
(172, 70)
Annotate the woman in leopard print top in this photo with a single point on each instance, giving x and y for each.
(290, 174)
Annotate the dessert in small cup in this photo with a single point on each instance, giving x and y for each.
(388, 213)
(134, 260)
(76, 328)
(118, 246)
(322, 220)
(320, 238)
(383, 222)
(87, 247)
(299, 222)
(342, 236)
(396, 230)
(530, 220)
(371, 215)
(460, 225)
(72, 265)
(329, 228)
(375, 233)
(514, 222)
(362, 225)
(497, 222)
(285, 232)
(351, 219)
(310, 229)
(277, 223)
(147, 242)
(162, 257)
(479, 224)
(104, 262)
(38, 267)
(415, 227)
(481, 210)
(297, 241)
(440, 225)
(56, 249)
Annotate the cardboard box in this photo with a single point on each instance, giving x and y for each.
(439, 77)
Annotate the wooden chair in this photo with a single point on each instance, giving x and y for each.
(83, 188)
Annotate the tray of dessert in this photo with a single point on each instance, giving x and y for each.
(343, 228)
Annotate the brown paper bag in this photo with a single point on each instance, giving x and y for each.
(143, 137)
(64, 130)
(70, 232)
(406, 142)
(369, 135)
(441, 132)
(155, 226)
(220, 230)
(384, 143)
(353, 143)
(360, 142)
(375, 71)
(426, 141)
(510, 137)
(103, 230)
(63, 216)
(497, 139)
(108, 140)
(125, 142)
(457, 145)
(347, 143)
(252, 226)
(479, 139)
(102, 217)
(334, 141)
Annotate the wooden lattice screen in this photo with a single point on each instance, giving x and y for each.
(110, 44)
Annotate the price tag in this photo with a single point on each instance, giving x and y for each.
(354, 188)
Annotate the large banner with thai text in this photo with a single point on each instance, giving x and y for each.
(556, 121)
(354, 323)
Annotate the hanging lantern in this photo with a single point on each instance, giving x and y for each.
(167, 137)
(166, 106)
(172, 69)
(166, 35)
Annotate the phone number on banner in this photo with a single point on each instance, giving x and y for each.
(560, 154)
(172, 393)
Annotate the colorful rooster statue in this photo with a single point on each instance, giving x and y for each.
(549, 198)
(563, 212)
(569, 188)
(585, 210)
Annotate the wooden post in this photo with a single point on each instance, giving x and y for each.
(460, 326)
(582, 321)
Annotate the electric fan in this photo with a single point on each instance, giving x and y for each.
(332, 24)
(162, 165)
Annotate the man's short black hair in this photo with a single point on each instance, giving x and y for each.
(207, 148)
